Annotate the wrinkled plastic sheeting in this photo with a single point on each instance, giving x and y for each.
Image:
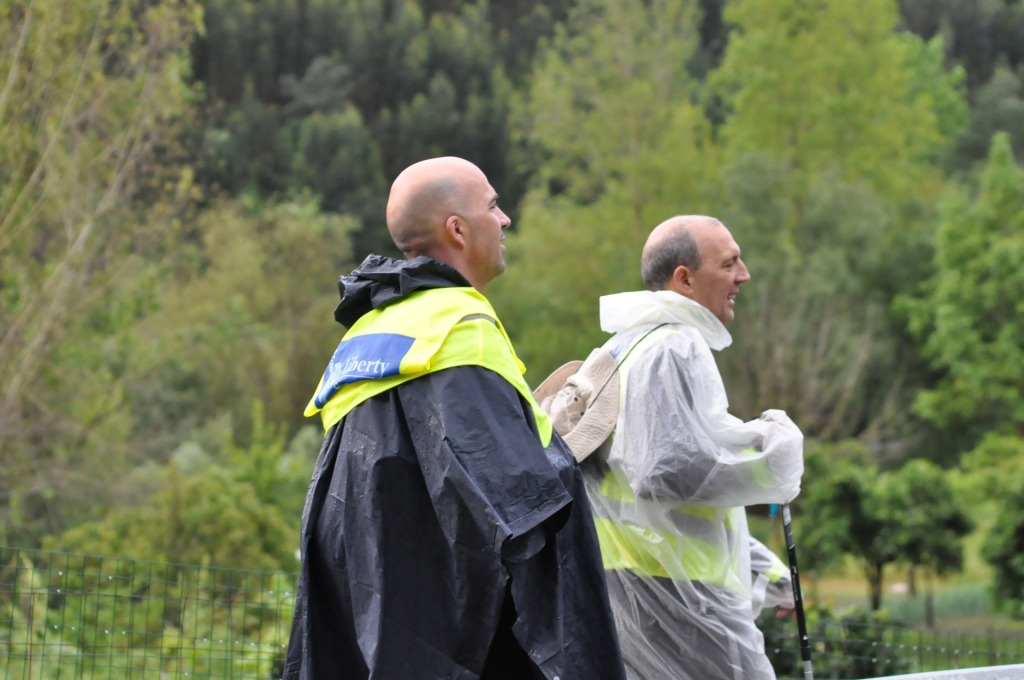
(676, 442)
(676, 475)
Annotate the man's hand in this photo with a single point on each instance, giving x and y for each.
(780, 594)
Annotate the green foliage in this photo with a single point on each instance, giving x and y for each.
(236, 506)
(981, 36)
(908, 515)
(998, 107)
(145, 306)
(108, 618)
(816, 179)
(846, 643)
(929, 522)
(844, 501)
(993, 474)
(245, 315)
(789, 74)
(194, 518)
(337, 159)
(93, 93)
(339, 96)
(610, 110)
(835, 124)
(810, 334)
(970, 316)
(994, 468)
(1004, 549)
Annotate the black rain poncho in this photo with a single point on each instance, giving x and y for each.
(440, 539)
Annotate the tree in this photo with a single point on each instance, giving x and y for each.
(971, 312)
(992, 469)
(410, 79)
(809, 192)
(920, 502)
(979, 35)
(1004, 549)
(611, 113)
(985, 39)
(846, 508)
(908, 515)
(811, 335)
(828, 179)
(843, 90)
(992, 474)
(93, 94)
(246, 315)
(194, 519)
(216, 502)
(998, 107)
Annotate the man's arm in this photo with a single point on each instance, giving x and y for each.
(682, 445)
(771, 581)
(482, 460)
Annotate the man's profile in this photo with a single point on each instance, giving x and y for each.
(685, 578)
(446, 532)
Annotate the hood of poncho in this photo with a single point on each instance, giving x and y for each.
(625, 311)
(380, 281)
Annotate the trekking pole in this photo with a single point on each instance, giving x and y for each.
(798, 598)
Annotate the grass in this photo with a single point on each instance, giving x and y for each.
(961, 604)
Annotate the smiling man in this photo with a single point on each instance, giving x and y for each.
(446, 535)
(686, 579)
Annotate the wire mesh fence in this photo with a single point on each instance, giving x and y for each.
(100, 618)
(854, 649)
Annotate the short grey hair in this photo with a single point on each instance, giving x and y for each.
(678, 249)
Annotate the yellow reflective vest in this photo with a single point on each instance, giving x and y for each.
(428, 331)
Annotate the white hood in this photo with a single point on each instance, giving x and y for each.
(623, 311)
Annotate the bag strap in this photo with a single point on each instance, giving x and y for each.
(626, 356)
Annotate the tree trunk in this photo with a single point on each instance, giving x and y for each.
(929, 602)
(912, 580)
(874, 574)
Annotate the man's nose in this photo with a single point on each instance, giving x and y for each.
(504, 219)
(743, 275)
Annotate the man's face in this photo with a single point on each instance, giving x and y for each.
(718, 280)
(484, 249)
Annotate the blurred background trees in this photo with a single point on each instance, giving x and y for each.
(184, 182)
(93, 100)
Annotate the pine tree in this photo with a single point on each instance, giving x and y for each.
(972, 315)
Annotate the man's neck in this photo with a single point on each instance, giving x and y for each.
(453, 260)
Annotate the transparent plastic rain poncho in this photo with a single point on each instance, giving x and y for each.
(686, 579)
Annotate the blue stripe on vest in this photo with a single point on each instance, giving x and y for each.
(364, 357)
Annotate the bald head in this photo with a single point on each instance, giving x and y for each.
(446, 209)
(674, 243)
(424, 195)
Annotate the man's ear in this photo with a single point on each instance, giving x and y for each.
(682, 281)
(456, 230)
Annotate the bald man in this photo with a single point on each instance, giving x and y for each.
(442, 537)
(668, 491)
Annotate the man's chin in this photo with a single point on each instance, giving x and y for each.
(496, 271)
